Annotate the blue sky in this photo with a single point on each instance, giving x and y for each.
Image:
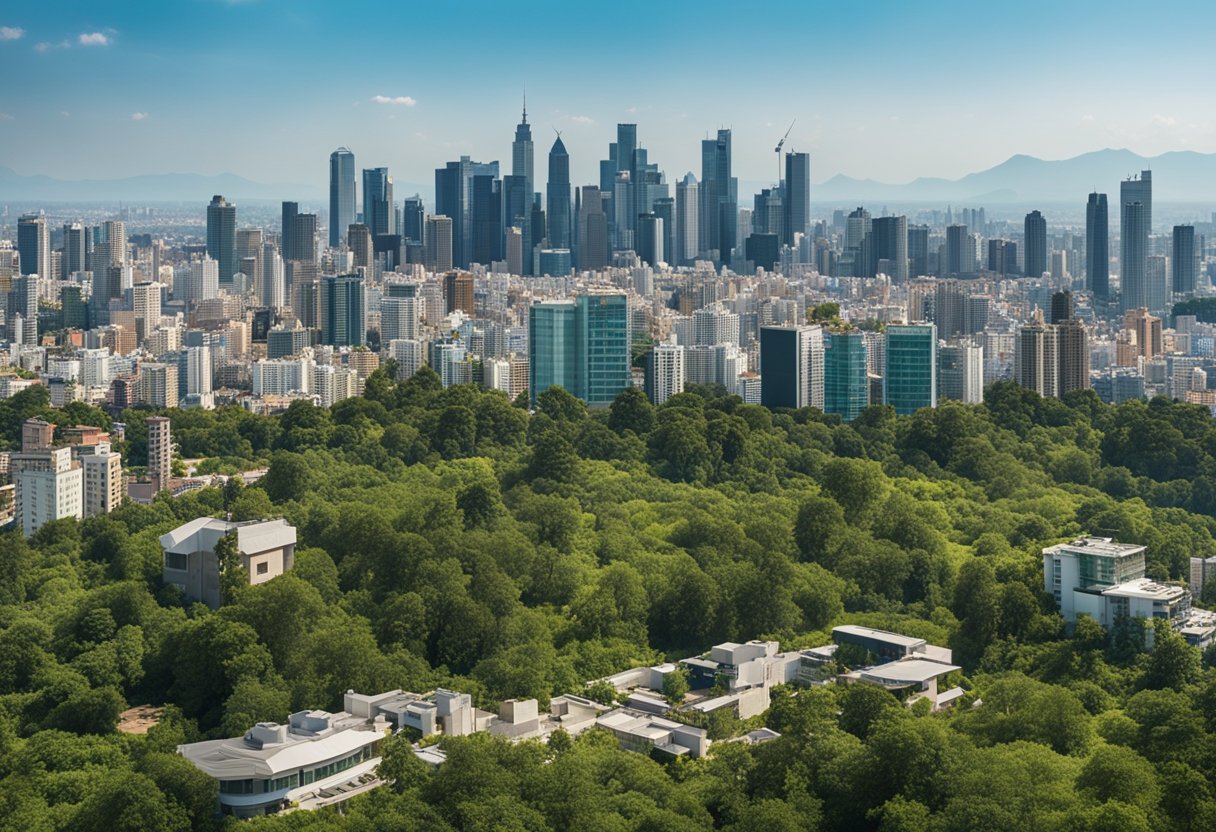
(883, 90)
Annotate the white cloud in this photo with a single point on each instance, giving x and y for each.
(94, 39)
(1164, 121)
(396, 101)
(5, 117)
(138, 116)
(46, 46)
(11, 33)
(582, 119)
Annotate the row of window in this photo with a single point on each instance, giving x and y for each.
(298, 778)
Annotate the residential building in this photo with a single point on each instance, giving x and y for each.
(160, 452)
(267, 550)
(104, 488)
(664, 372)
(49, 486)
(960, 374)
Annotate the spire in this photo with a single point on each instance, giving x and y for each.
(525, 120)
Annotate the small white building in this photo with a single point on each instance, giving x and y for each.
(267, 550)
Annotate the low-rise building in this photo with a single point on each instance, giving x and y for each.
(267, 550)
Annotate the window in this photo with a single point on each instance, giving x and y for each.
(263, 567)
(177, 560)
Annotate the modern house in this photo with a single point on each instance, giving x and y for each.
(315, 760)
(267, 550)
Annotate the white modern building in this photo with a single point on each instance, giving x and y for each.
(103, 482)
(267, 550)
(50, 486)
(1077, 573)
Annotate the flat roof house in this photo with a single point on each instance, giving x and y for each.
(267, 550)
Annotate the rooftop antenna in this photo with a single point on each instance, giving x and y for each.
(525, 103)
(777, 150)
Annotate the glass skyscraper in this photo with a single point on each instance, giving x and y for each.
(343, 311)
(910, 380)
(379, 213)
(580, 345)
(846, 386)
(551, 346)
(1097, 248)
(341, 194)
(1136, 223)
(221, 237)
(558, 196)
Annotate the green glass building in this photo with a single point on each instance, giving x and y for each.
(580, 345)
(910, 380)
(846, 386)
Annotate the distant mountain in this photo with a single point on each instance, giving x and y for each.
(160, 187)
(1178, 176)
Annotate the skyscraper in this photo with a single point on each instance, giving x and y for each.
(552, 350)
(1035, 244)
(956, 252)
(846, 385)
(75, 250)
(797, 196)
(379, 212)
(520, 193)
(34, 245)
(688, 221)
(649, 239)
(454, 198)
(888, 249)
(910, 380)
(918, 250)
(341, 194)
(221, 237)
(791, 366)
(1036, 363)
(458, 292)
(664, 372)
(602, 327)
(438, 243)
(960, 373)
(558, 196)
(343, 311)
(592, 230)
(160, 452)
(1185, 262)
(719, 197)
(1135, 225)
(1097, 248)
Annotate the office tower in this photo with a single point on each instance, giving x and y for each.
(1061, 307)
(486, 219)
(160, 452)
(359, 242)
(688, 214)
(956, 252)
(791, 366)
(889, 245)
(1073, 357)
(341, 194)
(303, 238)
(75, 250)
(458, 292)
(918, 250)
(797, 201)
(522, 160)
(714, 324)
(664, 372)
(910, 380)
(379, 212)
(249, 242)
(343, 311)
(272, 291)
(114, 233)
(454, 198)
(1097, 248)
(592, 230)
(649, 239)
(282, 343)
(438, 243)
(287, 230)
(1146, 332)
(1035, 244)
(1157, 280)
(198, 375)
(846, 384)
(73, 307)
(23, 302)
(581, 345)
(399, 318)
(557, 196)
(145, 302)
(1185, 261)
(34, 245)
(1059, 265)
(413, 217)
(103, 483)
(960, 372)
(719, 199)
(196, 281)
(1136, 224)
(221, 237)
(949, 308)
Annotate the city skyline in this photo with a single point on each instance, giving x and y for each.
(851, 116)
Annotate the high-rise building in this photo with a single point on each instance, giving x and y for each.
(341, 194)
(581, 345)
(520, 195)
(956, 252)
(558, 196)
(34, 245)
(1035, 244)
(719, 198)
(910, 378)
(1185, 261)
(960, 372)
(1072, 353)
(791, 366)
(272, 291)
(23, 302)
(303, 239)
(103, 483)
(75, 250)
(714, 324)
(1135, 226)
(486, 219)
(379, 212)
(688, 221)
(160, 452)
(797, 196)
(888, 248)
(399, 318)
(1097, 248)
(249, 242)
(343, 310)
(413, 220)
(664, 372)
(221, 237)
(552, 346)
(454, 198)
(649, 239)
(359, 242)
(918, 250)
(458, 292)
(49, 486)
(438, 243)
(846, 384)
(1037, 365)
(158, 386)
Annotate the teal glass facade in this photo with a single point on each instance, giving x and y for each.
(582, 346)
(551, 347)
(846, 386)
(910, 381)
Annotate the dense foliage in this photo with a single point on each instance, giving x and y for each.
(447, 537)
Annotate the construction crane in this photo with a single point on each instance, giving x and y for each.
(777, 150)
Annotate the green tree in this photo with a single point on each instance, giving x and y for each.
(675, 686)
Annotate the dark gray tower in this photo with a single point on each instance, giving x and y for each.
(1097, 247)
(221, 237)
(1035, 245)
(558, 196)
(341, 194)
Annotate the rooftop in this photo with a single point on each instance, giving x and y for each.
(907, 672)
(1101, 546)
(878, 635)
(1148, 589)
